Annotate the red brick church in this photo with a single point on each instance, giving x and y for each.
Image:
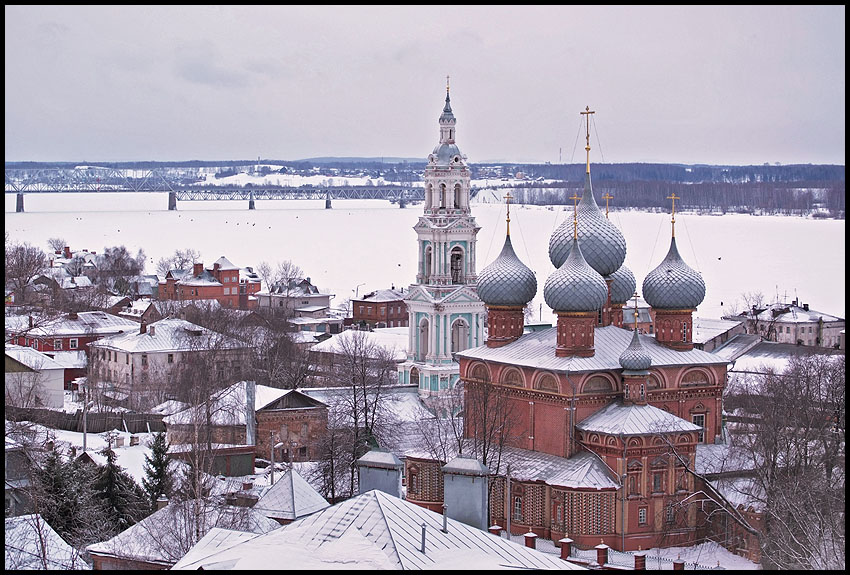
(599, 423)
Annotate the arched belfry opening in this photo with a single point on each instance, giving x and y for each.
(458, 196)
(457, 265)
(443, 198)
(423, 340)
(426, 273)
(460, 335)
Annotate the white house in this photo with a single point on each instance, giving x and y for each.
(33, 378)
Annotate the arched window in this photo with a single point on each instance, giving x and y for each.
(429, 196)
(460, 335)
(457, 196)
(479, 372)
(517, 508)
(684, 331)
(414, 376)
(443, 198)
(426, 273)
(513, 377)
(423, 339)
(547, 382)
(457, 265)
(598, 384)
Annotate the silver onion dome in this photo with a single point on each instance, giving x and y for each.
(635, 357)
(623, 285)
(673, 284)
(507, 281)
(602, 244)
(575, 286)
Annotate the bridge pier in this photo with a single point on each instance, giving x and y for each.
(172, 201)
(19, 204)
(328, 202)
(251, 201)
(402, 203)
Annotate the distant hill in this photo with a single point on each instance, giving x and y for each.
(357, 160)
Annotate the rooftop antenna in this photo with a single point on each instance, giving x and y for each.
(587, 113)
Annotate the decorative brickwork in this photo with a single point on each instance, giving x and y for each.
(674, 328)
(575, 333)
(504, 324)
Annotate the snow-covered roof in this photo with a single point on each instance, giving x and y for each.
(224, 264)
(793, 314)
(381, 295)
(380, 458)
(70, 359)
(169, 407)
(32, 544)
(169, 334)
(277, 501)
(743, 491)
(32, 358)
(162, 536)
(205, 278)
(537, 350)
(721, 458)
(393, 339)
(76, 282)
(86, 323)
(706, 329)
(228, 405)
(311, 308)
(619, 419)
(375, 530)
(736, 346)
(400, 402)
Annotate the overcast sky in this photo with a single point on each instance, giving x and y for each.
(694, 84)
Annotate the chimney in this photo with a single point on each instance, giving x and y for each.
(381, 470)
(250, 412)
(67, 252)
(640, 561)
(152, 332)
(566, 548)
(602, 554)
(678, 564)
(72, 315)
(216, 266)
(530, 537)
(247, 485)
(30, 318)
(161, 502)
(143, 327)
(806, 306)
(495, 530)
(465, 491)
(197, 269)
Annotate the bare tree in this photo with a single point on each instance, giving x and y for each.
(23, 263)
(116, 268)
(490, 420)
(25, 387)
(181, 259)
(56, 244)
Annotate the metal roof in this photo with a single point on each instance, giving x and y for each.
(620, 419)
(537, 350)
(673, 284)
(32, 358)
(277, 500)
(507, 281)
(391, 525)
(169, 334)
(85, 323)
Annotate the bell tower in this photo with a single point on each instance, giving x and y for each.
(446, 314)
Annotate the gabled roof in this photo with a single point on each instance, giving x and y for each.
(168, 335)
(86, 323)
(160, 537)
(355, 532)
(277, 501)
(32, 358)
(224, 264)
(619, 419)
(391, 339)
(31, 544)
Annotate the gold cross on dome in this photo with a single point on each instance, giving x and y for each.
(607, 197)
(587, 113)
(636, 311)
(508, 199)
(674, 197)
(447, 84)
(575, 215)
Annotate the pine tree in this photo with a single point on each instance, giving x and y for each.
(121, 499)
(157, 480)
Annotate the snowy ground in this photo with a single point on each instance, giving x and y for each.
(370, 244)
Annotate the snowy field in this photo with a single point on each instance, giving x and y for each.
(364, 245)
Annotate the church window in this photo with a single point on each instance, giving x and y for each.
(642, 392)
(658, 482)
(479, 372)
(457, 195)
(699, 419)
(598, 384)
(517, 508)
(513, 378)
(670, 513)
(547, 382)
(684, 331)
(642, 516)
